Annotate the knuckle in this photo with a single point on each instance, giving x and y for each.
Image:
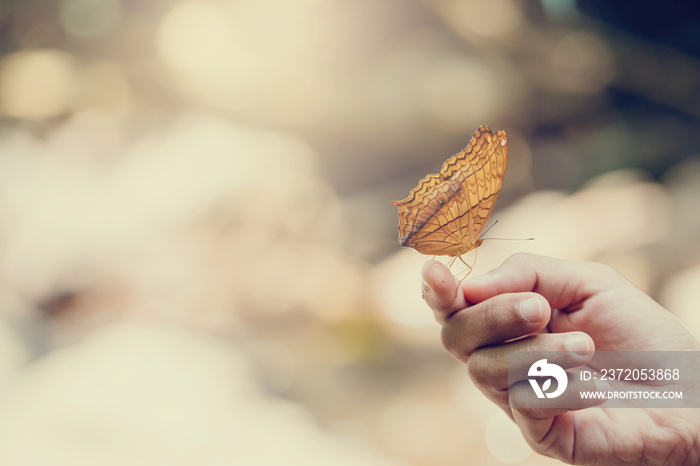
(454, 339)
(477, 370)
(602, 268)
(604, 272)
(449, 341)
(486, 316)
(531, 413)
(487, 370)
(520, 258)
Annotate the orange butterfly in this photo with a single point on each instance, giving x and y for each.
(445, 214)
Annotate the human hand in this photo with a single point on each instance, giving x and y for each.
(534, 303)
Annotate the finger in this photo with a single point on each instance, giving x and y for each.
(494, 321)
(551, 431)
(551, 436)
(563, 283)
(496, 367)
(440, 290)
(533, 413)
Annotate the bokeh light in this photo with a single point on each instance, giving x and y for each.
(89, 17)
(36, 84)
(504, 440)
(580, 63)
(488, 19)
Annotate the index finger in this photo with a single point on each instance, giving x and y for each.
(563, 283)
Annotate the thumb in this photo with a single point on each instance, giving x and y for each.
(440, 290)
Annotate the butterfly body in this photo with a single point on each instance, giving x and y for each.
(445, 214)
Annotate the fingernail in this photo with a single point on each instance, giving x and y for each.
(531, 309)
(425, 289)
(577, 344)
(427, 266)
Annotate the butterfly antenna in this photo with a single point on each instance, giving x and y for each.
(489, 228)
(503, 239)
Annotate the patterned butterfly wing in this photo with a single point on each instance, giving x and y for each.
(447, 211)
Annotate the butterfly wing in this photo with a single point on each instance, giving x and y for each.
(447, 211)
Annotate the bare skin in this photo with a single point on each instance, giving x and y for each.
(565, 305)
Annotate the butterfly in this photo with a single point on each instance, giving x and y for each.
(445, 214)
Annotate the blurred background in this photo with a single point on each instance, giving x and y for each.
(198, 257)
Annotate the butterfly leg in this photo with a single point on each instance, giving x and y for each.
(449, 266)
(469, 271)
(469, 267)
